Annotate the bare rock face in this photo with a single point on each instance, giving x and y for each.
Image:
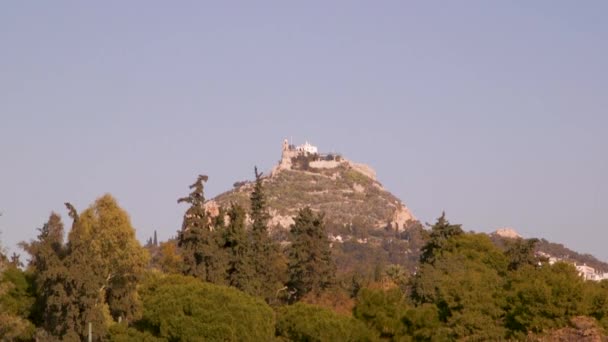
(347, 192)
(364, 169)
(509, 233)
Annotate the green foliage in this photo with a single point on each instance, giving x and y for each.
(122, 333)
(596, 301)
(182, 308)
(168, 259)
(441, 232)
(199, 243)
(466, 284)
(15, 304)
(111, 241)
(541, 298)
(422, 324)
(383, 311)
(521, 252)
(303, 322)
(19, 296)
(92, 278)
(310, 268)
(240, 271)
(265, 253)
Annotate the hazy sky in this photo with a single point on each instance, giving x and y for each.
(495, 112)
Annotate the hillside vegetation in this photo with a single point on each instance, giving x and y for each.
(343, 193)
(225, 277)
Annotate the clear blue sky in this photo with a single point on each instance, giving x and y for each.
(495, 112)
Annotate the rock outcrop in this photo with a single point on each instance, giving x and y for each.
(509, 233)
(347, 192)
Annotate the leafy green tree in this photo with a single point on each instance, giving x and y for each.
(180, 308)
(124, 259)
(310, 268)
(466, 284)
(265, 252)
(83, 300)
(596, 301)
(92, 278)
(304, 322)
(383, 311)
(240, 271)
(422, 324)
(543, 298)
(16, 301)
(201, 252)
(168, 259)
(521, 252)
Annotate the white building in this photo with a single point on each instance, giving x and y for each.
(587, 272)
(307, 148)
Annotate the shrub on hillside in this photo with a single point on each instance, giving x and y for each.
(181, 308)
(303, 322)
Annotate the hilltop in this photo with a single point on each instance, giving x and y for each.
(347, 192)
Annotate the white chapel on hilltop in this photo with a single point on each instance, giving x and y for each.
(305, 148)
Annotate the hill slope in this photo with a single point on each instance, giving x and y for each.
(348, 193)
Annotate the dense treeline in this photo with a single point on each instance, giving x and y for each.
(227, 277)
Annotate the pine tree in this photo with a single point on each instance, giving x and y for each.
(199, 244)
(50, 275)
(266, 255)
(441, 232)
(239, 269)
(311, 267)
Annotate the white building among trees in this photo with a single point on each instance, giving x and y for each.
(307, 148)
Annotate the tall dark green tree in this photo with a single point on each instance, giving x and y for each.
(203, 257)
(50, 274)
(441, 232)
(311, 267)
(239, 272)
(266, 255)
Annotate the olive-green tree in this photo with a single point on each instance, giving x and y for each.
(105, 262)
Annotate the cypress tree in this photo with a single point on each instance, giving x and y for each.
(266, 255)
(239, 268)
(311, 267)
(199, 244)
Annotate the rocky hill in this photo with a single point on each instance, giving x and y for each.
(347, 192)
(553, 250)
